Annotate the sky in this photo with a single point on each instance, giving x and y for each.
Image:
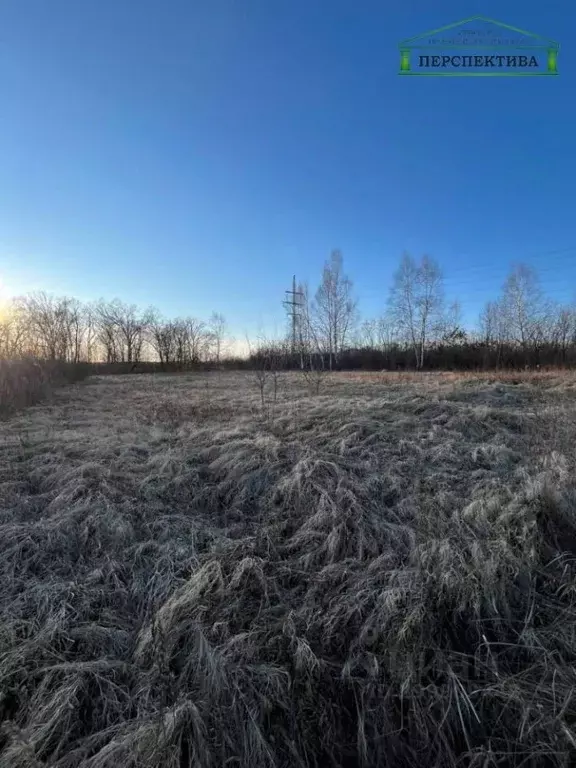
(194, 155)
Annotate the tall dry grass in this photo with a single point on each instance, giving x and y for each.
(29, 381)
(382, 574)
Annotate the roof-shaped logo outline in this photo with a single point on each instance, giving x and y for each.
(545, 42)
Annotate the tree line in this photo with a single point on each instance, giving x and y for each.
(62, 328)
(418, 328)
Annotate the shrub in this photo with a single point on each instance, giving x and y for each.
(29, 381)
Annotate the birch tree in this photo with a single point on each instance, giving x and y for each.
(416, 303)
(334, 307)
(526, 311)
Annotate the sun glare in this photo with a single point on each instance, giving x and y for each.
(4, 299)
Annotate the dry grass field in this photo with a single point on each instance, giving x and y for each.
(382, 574)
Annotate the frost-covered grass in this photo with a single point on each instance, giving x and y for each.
(382, 574)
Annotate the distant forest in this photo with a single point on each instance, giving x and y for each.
(418, 329)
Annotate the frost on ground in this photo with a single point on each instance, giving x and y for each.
(381, 574)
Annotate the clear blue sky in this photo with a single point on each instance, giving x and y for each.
(194, 155)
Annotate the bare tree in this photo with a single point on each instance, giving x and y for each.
(14, 332)
(490, 323)
(186, 340)
(162, 339)
(521, 304)
(74, 322)
(217, 330)
(366, 334)
(563, 330)
(386, 333)
(308, 335)
(312, 364)
(416, 302)
(199, 338)
(334, 307)
(526, 311)
(269, 360)
(107, 332)
(90, 333)
(122, 330)
(492, 331)
(377, 333)
(450, 326)
(55, 325)
(181, 343)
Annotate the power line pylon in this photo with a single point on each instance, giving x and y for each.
(293, 305)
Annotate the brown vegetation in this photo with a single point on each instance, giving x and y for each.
(380, 574)
(28, 381)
